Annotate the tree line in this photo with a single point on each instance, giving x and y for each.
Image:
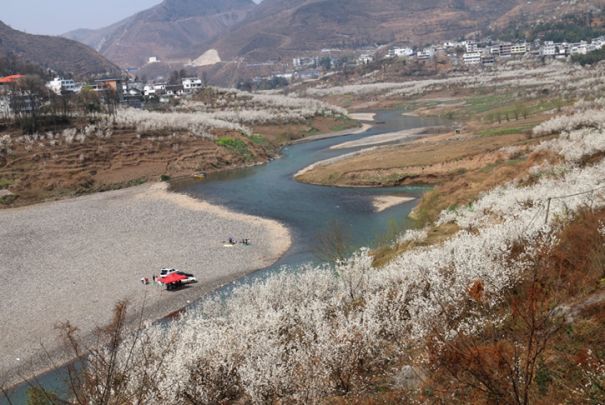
(34, 107)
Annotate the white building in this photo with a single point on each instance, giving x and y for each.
(154, 89)
(472, 58)
(305, 62)
(148, 90)
(192, 83)
(548, 49)
(5, 108)
(598, 42)
(400, 52)
(365, 58)
(518, 49)
(153, 59)
(471, 46)
(60, 86)
(579, 49)
(426, 53)
(452, 44)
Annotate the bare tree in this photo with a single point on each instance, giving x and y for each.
(333, 244)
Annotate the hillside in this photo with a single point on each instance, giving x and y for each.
(56, 53)
(174, 29)
(284, 27)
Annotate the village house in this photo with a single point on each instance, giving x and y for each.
(471, 58)
(518, 49)
(503, 50)
(156, 89)
(174, 90)
(470, 46)
(487, 59)
(426, 53)
(191, 84)
(365, 59)
(111, 84)
(305, 62)
(580, 48)
(61, 86)
(5, 91)
(400, 52)
(548, 49)
(5, 109)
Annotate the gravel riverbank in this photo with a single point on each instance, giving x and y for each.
(74, 259)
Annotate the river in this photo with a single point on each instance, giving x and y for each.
(307, 210)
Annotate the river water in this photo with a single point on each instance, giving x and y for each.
(307, 210)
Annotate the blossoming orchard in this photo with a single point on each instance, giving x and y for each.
(308, 333)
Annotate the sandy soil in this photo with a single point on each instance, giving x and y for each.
(384, 202)
(210, 57)
(74, 259)
(336, 159)
(428, 160)
(353, 131)
(363, 116)
(380, 139)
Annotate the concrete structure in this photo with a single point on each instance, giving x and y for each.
(192, 83)
(305, 62)
(5, 108)
(426, 53)
(400, 52)
(579, 48)
(472, 58)
(365, 58)
(471, 46)
(60, 86)
(488, 60)
(518, 49)
(548, 49)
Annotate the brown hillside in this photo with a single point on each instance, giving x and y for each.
(56, 53)
(285, 27)
(174, 29)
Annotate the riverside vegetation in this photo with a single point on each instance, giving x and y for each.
(497, 298)
(73, 146)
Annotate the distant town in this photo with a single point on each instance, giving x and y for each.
(132, 91)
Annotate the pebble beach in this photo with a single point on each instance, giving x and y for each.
(73, 260)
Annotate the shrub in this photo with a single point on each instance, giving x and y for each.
(236, 145)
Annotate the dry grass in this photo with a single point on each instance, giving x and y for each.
(427, 162)
(549, 345)
(460, 190)
(40, 172)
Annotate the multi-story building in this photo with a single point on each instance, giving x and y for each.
(471, 46)
(305, 62)
(518, 49)
(548, 49)
(580, 48)
(472, 58)
(400, 52)
(191, 84)
(487, 59)
(60, 86)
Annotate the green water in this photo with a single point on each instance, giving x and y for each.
(307, 210)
